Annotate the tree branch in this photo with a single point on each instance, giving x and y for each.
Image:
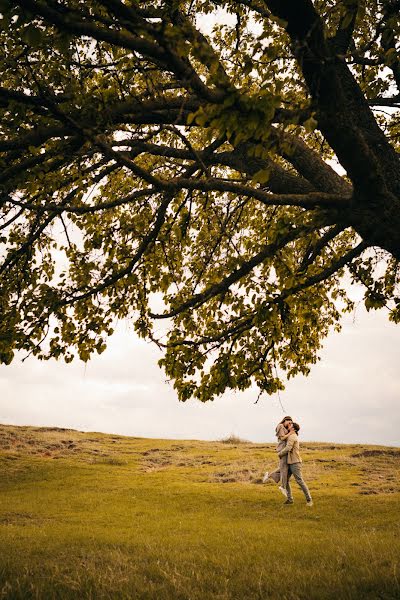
(245, 268)
(143, 247)
(68, 20)
(311, 200)
(344, 34)
(249, 322)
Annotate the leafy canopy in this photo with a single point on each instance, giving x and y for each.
(171, 162)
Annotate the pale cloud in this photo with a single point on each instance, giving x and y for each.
(351, 395)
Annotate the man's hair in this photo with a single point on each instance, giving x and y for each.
(296, 427)
(286, 419)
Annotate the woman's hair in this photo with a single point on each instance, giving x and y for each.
(285, 419)
(296, 427)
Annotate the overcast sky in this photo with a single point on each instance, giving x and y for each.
(352, 395)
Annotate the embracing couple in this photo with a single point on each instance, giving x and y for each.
(288, 449)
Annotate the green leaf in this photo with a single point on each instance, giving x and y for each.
(32, 36)
(261, 176)
(347, 19)
(310, 125)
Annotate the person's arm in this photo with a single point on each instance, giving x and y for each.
(281, 433)
(289, 445)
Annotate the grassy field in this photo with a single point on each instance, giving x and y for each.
(88, 515)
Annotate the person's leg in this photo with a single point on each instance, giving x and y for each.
(295, 469)
(288, 488)
(283, 468)
(275, 475)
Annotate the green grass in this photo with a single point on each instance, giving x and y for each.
(87, 515)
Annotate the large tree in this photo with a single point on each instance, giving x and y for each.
(220, 184)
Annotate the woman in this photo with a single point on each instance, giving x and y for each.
(281, 473)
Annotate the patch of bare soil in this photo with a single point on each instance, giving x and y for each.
(156, 459)
(319, 447)
(16, 518)
(234, 439)
(378, 452)
(240, 470)
(48, 442)
(48, 429)
(245, 475)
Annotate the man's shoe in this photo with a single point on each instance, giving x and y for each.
(310, 503)
(288, 501)
(283, 491)
(265, 478)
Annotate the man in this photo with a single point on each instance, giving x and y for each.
(292, 450)
(280, 474)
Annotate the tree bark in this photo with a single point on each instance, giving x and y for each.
(348, 124)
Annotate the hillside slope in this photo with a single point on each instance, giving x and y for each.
(89, 515)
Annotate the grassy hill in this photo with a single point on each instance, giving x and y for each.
(88, 515)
